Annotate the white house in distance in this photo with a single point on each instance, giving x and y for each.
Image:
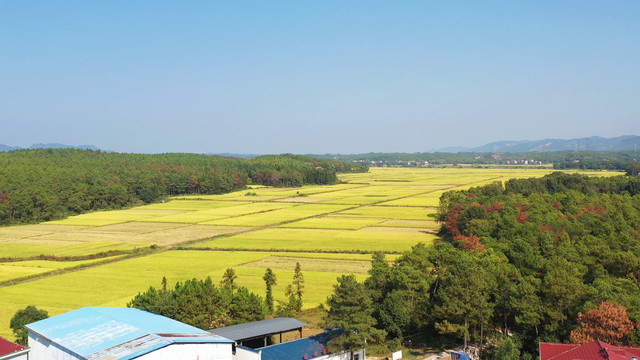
(98, 333)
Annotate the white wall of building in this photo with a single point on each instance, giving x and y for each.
(244, 354)
(189, 352)
(43, 349)
(339, 356)
(18, 355)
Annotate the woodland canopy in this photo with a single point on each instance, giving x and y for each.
(533, 259)
(47, 184)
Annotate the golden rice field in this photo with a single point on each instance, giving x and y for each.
(330, 230)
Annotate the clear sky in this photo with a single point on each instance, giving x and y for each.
(316, 76)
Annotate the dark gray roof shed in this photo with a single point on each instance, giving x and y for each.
(259, 329)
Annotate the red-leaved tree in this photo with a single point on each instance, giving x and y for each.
(609, 323)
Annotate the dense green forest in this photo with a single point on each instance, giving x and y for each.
(599, 160)
(524, 259)
(46, 184)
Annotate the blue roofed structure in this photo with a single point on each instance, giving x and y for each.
(306, 348)
(313, 345)
(259, 329)
(114, 333)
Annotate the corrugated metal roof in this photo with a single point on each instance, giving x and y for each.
(257, 329)
(8, 347)
(90, 331)
(595, 350)
(313, 346)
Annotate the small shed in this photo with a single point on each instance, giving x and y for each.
(259, 329)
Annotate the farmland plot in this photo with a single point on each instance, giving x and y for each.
(329, 230)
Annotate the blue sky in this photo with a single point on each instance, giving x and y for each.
(316, 77)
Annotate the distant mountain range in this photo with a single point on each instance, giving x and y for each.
(594, 143)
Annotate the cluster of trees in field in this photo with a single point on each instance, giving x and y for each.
(595, 160)
(539, 259)
(23, 317)
(46, 184)
(203, 304)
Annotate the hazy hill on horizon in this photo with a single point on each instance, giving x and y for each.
(593, 143)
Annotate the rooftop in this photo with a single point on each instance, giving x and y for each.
(313, 346)
(258, 329)
(595, 350)
(93, 332)
(8, 347)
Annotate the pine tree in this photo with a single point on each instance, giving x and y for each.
(294, 290)
(351, 309)
(228, 278)
(269, 280)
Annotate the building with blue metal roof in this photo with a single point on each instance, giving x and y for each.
(312, 347)
(99, 333)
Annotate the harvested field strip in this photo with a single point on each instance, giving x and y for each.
(411, 223)
(431, 200)
(26, 250)
(188, 205)
(339, 266)
(13, 233)
(280, 216)
(192, 217)
(315, 255)
(372, 194)
(388, 212)
(302, 200)
(332, 222)
(133, 228)
(203, 216)
(188, 234)
(390, 229)
(174, 234)
(107, 217)
(270, 193)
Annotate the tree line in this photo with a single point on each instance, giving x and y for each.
(595, 160)
(47, 184)
(532, 260)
